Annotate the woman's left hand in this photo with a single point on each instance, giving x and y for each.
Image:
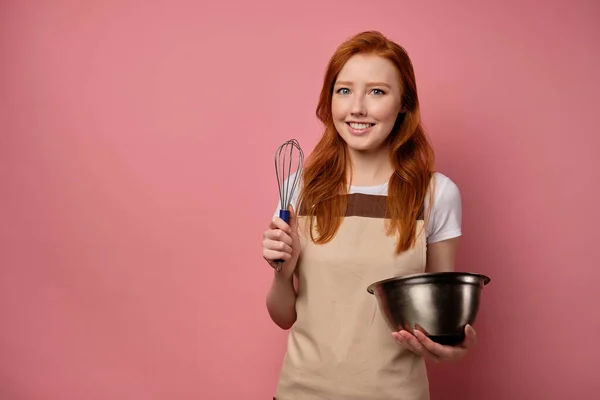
(423, 346)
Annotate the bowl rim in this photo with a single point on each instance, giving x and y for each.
(423, 277)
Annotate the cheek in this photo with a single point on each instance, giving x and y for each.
(337, 110)
(385, 113)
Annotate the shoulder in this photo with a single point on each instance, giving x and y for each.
(444, 220)
(446, 193)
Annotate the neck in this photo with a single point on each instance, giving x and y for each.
(370, 168)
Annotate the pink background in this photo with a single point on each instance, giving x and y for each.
(133, 204)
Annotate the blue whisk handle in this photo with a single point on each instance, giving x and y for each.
(285, 215)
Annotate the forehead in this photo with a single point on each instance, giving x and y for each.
(365, 68)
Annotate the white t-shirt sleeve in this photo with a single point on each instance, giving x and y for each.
(445, 221)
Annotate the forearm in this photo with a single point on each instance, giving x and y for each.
(281, 301)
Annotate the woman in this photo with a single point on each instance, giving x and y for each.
(369, 207)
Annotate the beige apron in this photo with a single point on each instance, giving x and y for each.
(340, 347)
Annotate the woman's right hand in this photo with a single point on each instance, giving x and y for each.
(281, 242)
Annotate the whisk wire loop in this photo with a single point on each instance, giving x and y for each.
(288, 155)
(284, 169)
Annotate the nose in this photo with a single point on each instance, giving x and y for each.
(358, 107)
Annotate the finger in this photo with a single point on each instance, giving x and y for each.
(278, 235)
(292, 212)
(278, 223)
(437, 349)
(470, 337)
(402, 342)
(293, 220)
(272, 256)
(411, 341)
(398, 338)
(277, 245)
(446, 353)
(417, 346)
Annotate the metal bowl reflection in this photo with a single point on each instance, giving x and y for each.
(438, 304)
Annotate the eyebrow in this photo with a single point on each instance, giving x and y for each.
(345, 83)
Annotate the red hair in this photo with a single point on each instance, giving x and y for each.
(324, 182)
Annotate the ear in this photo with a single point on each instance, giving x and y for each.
(403, 109)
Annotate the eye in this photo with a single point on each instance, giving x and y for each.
(378, 92)
(343, 91)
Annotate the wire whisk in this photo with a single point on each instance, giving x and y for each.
(289, 161)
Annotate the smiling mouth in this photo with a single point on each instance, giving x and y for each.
(359, 126)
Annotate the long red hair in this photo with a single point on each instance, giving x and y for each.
(324, 181)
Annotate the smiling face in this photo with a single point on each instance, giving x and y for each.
(367, 98)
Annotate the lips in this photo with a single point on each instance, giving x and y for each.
(359, 128)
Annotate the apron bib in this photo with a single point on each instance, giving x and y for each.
(340, 346)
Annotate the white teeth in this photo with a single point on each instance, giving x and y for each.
(359, 126)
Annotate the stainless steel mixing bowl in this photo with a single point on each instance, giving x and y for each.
(438, 304)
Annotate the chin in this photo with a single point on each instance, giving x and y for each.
(358, 143)
(363, 149)
(360, 146)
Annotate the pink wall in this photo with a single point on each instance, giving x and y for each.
(132, 206)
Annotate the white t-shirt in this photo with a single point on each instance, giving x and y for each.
(445, 221)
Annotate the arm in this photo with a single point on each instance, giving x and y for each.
(444, 227)
(281, 242)
(444, 230)
(440, 258)
(281, 301)
(441, 255)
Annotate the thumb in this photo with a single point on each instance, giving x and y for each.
(293, 219)
(470, 336)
